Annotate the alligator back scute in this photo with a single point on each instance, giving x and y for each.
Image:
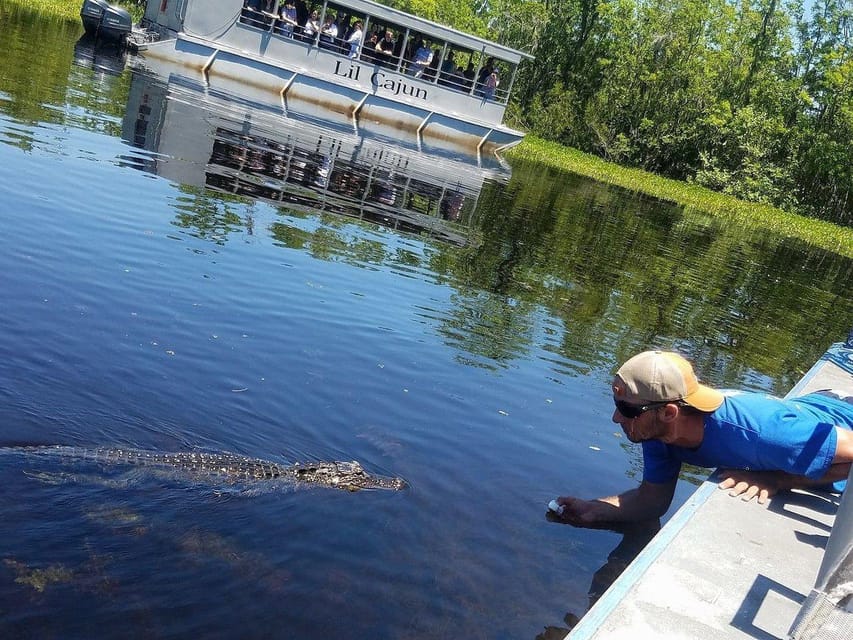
(350, 476)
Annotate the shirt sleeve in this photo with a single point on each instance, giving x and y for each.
(659, 465)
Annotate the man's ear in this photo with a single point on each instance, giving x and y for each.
(670, 411)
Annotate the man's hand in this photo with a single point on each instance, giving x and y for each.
(648, 501)
(751, 484)
(581, 513)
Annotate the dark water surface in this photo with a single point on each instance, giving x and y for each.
(179, 271)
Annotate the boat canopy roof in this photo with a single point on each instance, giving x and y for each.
(435, 30)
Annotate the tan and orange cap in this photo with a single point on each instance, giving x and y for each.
(661, 376)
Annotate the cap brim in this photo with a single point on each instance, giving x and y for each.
(704, 398)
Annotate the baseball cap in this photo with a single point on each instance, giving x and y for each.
(663, 376)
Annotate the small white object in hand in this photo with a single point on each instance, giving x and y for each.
(555, 507)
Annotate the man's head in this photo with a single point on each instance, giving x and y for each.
(657, 377)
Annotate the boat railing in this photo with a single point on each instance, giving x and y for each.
(384, 44)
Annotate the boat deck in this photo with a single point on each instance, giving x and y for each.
(722, 568)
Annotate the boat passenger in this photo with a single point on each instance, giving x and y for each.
(368, 51)
(329, 33)
(287, 19)
(312, 26)
(490, 85)
(448, 67)
(302, 14)
(485, 72)
(386, 48)
(421, 60)
(469, 75)
(354, 40)
(763, 444)
(432, 68)
(458, 80)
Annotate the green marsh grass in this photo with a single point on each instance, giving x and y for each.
(819, 233)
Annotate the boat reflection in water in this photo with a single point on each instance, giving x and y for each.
(103, 58)
(200, 139)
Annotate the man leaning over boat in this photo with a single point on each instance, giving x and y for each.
(762, 444)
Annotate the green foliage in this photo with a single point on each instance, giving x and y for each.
(751, 98)
(461, 15)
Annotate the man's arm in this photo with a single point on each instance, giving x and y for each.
(764, 484)
(649, 500)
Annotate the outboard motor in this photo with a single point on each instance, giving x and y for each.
(91, 14)
(116, 25)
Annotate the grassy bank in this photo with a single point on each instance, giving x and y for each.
(816, 232)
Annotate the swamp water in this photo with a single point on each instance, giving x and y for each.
(183, 272)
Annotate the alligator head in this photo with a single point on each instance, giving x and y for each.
(344, 475)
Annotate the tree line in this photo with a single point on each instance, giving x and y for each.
(753, 98)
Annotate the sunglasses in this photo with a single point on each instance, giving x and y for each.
(635, 410)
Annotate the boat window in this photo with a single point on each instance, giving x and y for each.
(383, 43)
(422, 56)
(453, 69)
(336, 29)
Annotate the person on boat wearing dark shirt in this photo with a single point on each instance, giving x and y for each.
(287, 19)
(469, 75)
(368, 51)
(386, 48)
(763, 444)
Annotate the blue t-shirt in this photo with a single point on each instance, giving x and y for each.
(757, 432)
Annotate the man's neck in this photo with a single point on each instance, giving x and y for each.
(687, 431)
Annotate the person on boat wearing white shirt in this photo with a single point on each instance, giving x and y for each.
(328, 33)
(312, 26)
(354, 40)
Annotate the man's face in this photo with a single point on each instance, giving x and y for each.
(643, 427)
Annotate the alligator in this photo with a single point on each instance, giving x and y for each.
(350, 476)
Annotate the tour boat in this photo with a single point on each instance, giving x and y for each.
(385, 71)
